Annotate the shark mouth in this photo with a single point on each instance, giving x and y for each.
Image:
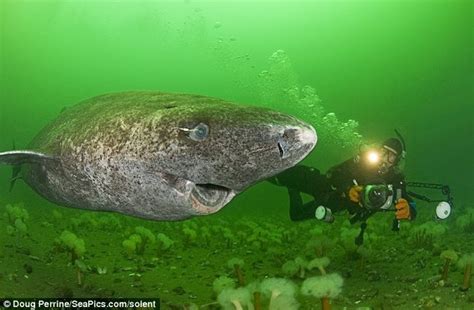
(210, 198)
(204, 198)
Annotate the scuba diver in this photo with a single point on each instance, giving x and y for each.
(370, 182)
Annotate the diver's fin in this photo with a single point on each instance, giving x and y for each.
(17, 158)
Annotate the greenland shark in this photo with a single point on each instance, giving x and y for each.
(156, 155)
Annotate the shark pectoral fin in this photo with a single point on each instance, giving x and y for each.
(17, 158)
(15, 175)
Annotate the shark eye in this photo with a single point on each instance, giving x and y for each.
(199, 133)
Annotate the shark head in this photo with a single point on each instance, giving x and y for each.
(216, 150)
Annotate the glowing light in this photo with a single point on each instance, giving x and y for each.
(373, 157)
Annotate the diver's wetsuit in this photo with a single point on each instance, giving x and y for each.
(331, 190)
(308, 180)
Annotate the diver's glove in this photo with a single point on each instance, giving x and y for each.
(403, 210)
(354, 193)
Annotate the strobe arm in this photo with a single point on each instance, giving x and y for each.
(445, 190)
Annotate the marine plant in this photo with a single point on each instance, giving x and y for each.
(347, 241)
(19, 228)
(147, 237)
(290, 268)
(206, 235)
(109, 222)
(274, 232)
(229, 237)
(284, 302)
(132, 244)
(257, 238)
(261, 238)
(85, 222)
(216, 231)
(236, 265)
(241, 236)
(76, 248)
(81, 269)
(319, 244)
(302, 264)
(58, 216)
(281, 293)
(16, 212)
(449, 257)
(465, 262)
(287, 236)
(364, 252)
(235, 299)
(377, 225)
(16, 216)
(295, 267)
(319, 263)
(255, 291)
(190, 235)
(71, 244)
(466, 222)
(324, 287)
(276, 255)
(164, 243)
(423, 236)
(191, 306)
(222, 283)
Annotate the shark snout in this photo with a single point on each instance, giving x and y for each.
(307, 136)
(296, 142)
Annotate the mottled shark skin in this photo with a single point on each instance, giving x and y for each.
(136, 153)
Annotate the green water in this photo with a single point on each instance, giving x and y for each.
(384, 64)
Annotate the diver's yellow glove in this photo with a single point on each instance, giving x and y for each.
(354, 193)
(403, 209)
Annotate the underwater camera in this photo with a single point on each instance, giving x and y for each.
(377, 197)
(382, 197)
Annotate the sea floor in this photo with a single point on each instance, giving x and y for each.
(392, 270)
